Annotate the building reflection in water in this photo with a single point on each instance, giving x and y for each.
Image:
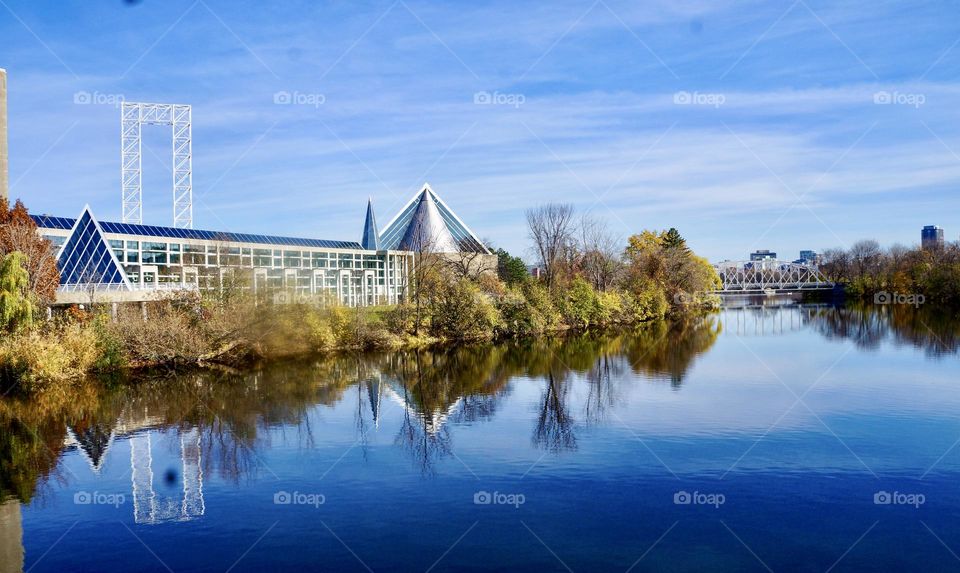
(431, 390)
(151, 507)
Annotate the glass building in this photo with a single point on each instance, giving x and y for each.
(931, 237)
(121, 261)
(763, 255)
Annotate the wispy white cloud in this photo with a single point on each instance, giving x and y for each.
(398, 104)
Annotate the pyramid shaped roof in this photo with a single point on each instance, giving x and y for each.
(426, 222)
(86, 257)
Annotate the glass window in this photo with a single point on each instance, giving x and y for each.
(155, 258)
(175, 247)
(133, 256)
(116, 244)
(133, 244)
(154, 246)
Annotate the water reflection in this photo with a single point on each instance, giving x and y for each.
(927, 328)
(217, 424)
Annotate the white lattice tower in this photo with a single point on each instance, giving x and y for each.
(132, 117)
(130, 168)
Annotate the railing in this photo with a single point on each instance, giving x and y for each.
(121, 287)
(759, 276)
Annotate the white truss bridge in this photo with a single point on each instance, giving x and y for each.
(759, 277)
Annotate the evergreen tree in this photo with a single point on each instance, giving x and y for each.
(673, 240)
(510, 269)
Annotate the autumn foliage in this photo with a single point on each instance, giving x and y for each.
(18, 233)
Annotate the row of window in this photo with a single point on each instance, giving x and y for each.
(155, 253)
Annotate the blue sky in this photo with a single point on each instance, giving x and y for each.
(780, 125)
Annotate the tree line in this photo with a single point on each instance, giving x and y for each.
(867, 269)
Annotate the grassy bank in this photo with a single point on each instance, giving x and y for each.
(234, 329)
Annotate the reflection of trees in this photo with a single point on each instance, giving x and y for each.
(237, 414)
(424, 438)
(603, 381)
(462, 384)
(932, 330)
(667, 349)
(554, 430)
(32, 433)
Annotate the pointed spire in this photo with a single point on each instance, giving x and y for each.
(371, 237)
(427, 230)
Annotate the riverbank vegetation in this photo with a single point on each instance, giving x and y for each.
(870, 272)
(585, 279)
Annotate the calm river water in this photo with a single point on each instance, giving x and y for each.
(792, 438)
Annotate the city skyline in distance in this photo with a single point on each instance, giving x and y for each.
(753, 127)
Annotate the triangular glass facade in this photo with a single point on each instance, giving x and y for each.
(393, 236)
(86, 257)
(427, 230)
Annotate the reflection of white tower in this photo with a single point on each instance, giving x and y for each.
(148, 506)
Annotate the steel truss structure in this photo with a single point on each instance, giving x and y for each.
(132, 117)
(764, 276)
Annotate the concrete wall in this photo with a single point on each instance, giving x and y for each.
(11, 537)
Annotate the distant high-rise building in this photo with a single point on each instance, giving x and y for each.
(931, 237)
(762, 255)
(809, 257)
